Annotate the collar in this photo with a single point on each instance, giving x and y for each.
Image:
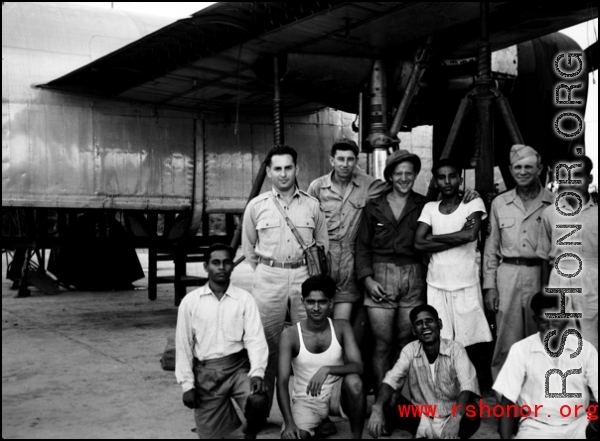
(414, 197)
(327, 182)
(205, 290)
(564, 206)
(571, 344)
(277, 195)
(544, 196)
(444, 349)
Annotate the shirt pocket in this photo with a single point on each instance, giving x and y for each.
(508, 230)
(305, 227)
(268, 231)
(330, 210)
(234, 329)
(382, 235)
(359, 203)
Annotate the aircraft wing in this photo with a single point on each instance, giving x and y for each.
(207, 62)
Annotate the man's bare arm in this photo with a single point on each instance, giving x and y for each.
(466, 235)
(506, 422)
(286, 344)
(426, 245)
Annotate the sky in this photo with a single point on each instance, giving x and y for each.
(584, 34)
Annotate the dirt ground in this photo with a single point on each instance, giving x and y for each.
(86, 365)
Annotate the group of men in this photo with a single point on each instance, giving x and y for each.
(379, 237)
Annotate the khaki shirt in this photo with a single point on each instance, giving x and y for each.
(266, 233)
(513, 232)
(344, 211)
(549, 235)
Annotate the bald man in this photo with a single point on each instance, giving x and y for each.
(512, 269)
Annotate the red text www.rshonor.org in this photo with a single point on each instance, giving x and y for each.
(499, 411)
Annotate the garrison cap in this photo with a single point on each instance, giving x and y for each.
(519, 152)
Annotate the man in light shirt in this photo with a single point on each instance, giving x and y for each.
(583, 244)
(525, 380)
(221, 352)
(274, 252)
(440, 378)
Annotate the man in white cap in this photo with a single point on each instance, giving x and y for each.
(511, 267)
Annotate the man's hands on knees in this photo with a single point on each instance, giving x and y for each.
(257, 386)
(316, 382)
(190, 399)
(376, 422)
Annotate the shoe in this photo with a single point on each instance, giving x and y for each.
(325, 429)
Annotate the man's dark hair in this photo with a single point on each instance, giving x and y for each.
(446, 163)
(344, 147)
(325, 284)
(220, 247)
(544, 301)
(585, 161)
(422, 308)
(281, 150)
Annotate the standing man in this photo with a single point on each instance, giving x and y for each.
(275, 254)
(326, 363)
(441, 380)
(583, 244)
(343, 194)
(388, 263)
(511, 267)
(449, 230)
(221, 352)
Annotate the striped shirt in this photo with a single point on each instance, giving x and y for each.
(454, 374)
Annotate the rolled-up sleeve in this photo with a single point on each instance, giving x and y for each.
(254, 339)
(510, 379)
(396, 377)
(250, 236)
(184, 343)
(364, 251)
(490, 255)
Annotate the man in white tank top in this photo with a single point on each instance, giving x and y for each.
(324, 384)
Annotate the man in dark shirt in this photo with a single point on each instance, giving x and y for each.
(387, 262)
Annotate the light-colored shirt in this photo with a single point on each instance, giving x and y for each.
(344, 211)
(457, 267)
(513, 231)
(208, 329)
(522, 379)
(267, 234)
(454, 373)
(549, 234)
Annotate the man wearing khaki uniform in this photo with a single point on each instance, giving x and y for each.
(512, 269)
(275, 254)
(343, 194)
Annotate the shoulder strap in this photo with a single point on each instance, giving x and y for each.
(289, 222)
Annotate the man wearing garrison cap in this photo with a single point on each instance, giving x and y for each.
(512, 269)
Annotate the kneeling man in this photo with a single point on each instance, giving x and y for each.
(326, 362)
(441, 380)
(221, 352)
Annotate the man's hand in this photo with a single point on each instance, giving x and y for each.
(492, 299)
(291, 431)
(316, 382)
(469, 196)
(375, 290)
(469, 224)
(376, 422)
(451, 429)
(190, 399)
(257, 386)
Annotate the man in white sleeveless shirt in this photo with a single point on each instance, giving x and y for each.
(324, 384)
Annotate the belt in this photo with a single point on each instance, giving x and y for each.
(286, 265)
(521, 261)
(223, 361)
